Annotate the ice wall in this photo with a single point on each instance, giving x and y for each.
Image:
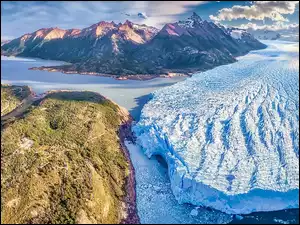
(230, 135)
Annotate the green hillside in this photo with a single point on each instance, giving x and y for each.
(62, 163)
(11, 97)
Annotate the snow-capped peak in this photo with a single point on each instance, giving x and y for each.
(237, 34)
(195, 17)
(191, 22)
(128, 23)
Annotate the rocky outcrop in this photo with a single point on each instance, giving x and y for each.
(98, 41)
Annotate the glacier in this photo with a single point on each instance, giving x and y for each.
(230, 135)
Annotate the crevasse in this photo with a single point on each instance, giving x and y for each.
(230, 135)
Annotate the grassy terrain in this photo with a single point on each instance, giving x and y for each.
(62, 163)
(11, 97)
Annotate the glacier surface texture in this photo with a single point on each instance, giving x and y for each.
(230, 135)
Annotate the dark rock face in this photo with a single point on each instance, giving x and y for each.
(129, 49)
(99, 40)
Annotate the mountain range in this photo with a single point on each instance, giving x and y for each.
(264, 34)
(129, 49)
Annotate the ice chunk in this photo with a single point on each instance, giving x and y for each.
(194, 212)
(239, 217)
(230, 135)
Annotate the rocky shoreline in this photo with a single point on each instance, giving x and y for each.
(142, 77)
(130, 199)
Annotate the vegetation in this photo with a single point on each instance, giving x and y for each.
(62, 162)
(11, 97)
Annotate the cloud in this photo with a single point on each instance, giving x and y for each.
(288, 32)
(259, 10)
(162, 12)
(279, 26)
(18, 18)
(142, 15)
(5, 38)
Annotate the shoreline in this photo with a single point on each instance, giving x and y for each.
(141, 77)
(130, 199)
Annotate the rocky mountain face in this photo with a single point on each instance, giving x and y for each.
(194, 44)
(129, 49)
(99, 40)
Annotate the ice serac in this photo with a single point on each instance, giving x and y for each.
(230, 135)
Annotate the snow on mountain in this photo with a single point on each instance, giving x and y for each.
(264, 34)
(237, 34)
(191, 22)
(145, 27)
(173, 30)
(230, 135)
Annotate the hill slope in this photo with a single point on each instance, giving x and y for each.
(12, 96)
(63, 163)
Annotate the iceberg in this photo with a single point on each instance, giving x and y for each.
(230, 135)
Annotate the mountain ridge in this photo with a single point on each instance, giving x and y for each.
(126, 49)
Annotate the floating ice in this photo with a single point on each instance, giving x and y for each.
(230, 135)
(13, 58)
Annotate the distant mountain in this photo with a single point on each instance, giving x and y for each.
(4, 42)
(264, 34)
(99, 40)
(129, 49)
(192, 45)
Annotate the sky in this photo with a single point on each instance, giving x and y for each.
(20, 17)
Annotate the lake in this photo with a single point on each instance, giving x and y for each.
(131, 94)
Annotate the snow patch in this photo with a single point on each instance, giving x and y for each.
(237, 34)
(194, 212)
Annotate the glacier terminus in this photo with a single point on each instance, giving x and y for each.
(230, 135)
